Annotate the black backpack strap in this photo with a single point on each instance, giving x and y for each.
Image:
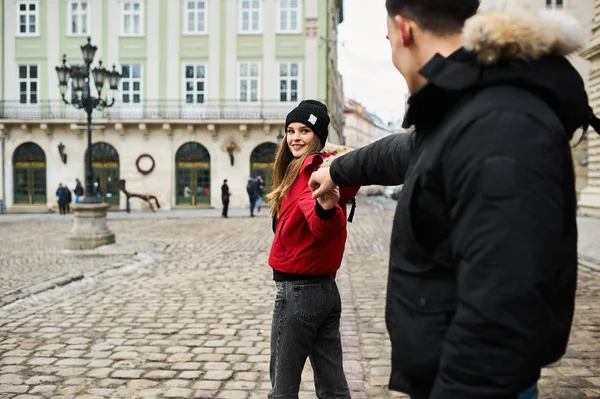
(351, 216)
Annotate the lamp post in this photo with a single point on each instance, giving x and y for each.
(82, 98)
(280, 136)
(89, 229)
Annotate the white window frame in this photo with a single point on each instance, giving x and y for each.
(131, 80)
(79, 15)
(131, 13)
(288, 10)
(250, 11)
(553, 4)
(28, 80)
(195, 12)
(27, 14)
(249, 79)
(288, 78)
(195, 81)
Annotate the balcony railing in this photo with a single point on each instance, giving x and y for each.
(157, 110)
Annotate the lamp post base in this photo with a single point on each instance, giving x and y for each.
(89, 229)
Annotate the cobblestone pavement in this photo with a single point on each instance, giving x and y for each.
(181, 308)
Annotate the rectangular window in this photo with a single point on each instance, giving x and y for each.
(289, 76)
(131, 84)
(29, 83)
(78, 17)
(195, 16)
(289, 15)
(249, 74)
(195, 83)
(250, 16)
(131, 23)
(27, 12)
(555, 3)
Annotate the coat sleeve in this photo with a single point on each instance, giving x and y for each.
(383, 162)
(323, 224)
(503, 177)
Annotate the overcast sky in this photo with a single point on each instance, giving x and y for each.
(364, 60)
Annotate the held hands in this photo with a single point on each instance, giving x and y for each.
(320, 183)
(324, 189)
(328, 200)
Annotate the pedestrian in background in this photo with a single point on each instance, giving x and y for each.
(78, 191)
(252, 190)
(306, 253)
(260, 187)
(97, 188)
(225, 194)
(62, 199)
(68, 199)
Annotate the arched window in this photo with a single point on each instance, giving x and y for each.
(29, 166)
(105, 164)
(192, 165)
(262, 160)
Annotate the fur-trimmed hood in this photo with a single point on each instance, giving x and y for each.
(511, 48)
(520, 34)
(332, 151)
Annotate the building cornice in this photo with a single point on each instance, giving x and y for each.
(591, 52)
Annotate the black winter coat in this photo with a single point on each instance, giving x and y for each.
(483, 258)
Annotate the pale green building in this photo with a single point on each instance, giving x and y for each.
(199, 77)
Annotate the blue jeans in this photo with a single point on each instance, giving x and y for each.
(306, 324)
(252, 204)
(529, 393)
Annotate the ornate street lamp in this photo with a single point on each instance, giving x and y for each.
(80, 77)
(89, 229)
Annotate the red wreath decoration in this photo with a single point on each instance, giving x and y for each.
(137, 164)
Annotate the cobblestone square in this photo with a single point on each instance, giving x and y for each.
(181, 307)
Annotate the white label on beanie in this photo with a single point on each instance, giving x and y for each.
(312, 119)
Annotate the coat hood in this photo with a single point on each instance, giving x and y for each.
(332, 151)
(521, 49)
(519, 34)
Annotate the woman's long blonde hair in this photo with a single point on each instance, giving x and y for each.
(285, 171)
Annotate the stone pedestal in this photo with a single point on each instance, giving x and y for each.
(89, 229)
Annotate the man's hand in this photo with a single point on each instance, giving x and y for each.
(320, 183)
(328, 200)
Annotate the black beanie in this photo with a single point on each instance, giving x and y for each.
(314, 115)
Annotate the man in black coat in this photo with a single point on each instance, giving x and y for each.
(78, 190)
(483, 257)
(225, 194)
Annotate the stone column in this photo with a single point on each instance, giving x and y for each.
(589, 202)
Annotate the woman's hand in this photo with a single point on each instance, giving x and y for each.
(329, 199)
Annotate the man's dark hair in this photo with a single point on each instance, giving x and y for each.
(441, 17)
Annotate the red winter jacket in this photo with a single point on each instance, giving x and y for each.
(306, 244)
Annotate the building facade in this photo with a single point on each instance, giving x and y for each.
(205, 89)
(589, 202)
(362, 127)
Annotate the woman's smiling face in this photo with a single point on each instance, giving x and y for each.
(298, 137)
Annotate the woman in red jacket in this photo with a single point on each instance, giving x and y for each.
(310, 236)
